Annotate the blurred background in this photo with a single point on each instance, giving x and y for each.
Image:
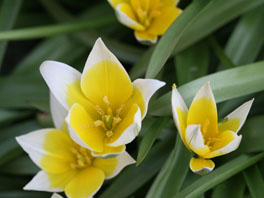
(223, 36)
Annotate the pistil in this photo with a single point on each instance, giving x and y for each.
(108, 121)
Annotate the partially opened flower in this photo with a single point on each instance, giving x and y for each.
(200, 131)
(149, 18)
(105, 107)
(66, 166)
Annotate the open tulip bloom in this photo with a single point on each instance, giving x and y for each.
(200, 131)
(149, 18)
(66, 166)
(105, 107)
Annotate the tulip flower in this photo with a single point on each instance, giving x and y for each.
(149, 18)
(66, 166)
(200, 131)
(105, 107)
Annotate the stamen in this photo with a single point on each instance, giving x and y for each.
(82, 157)
(100, 123)
(99, 110)
(109, 133)
(106, 101)
(116, 121)
(119, 110)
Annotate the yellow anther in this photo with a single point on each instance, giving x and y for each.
(83, 157)
(99, 123)
(174, 86)
(109, 133)
(74, 150)
(119, 110)
(73, 165)
(80, 163)
(106, 101)
(99, 110)
(116, 121)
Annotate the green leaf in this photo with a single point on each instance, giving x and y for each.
(219, 175)
(8, 14)
(233, 187)
(226, 85)
(22, 165)
(192, 63)
(123, 51)
(140, 67)
(220, 53)
(51, 30)
(195, 24)
(9, 116)
(149, 138)
(132, 178)
(253, 136)
(172, 175)
(33, 88)
(214, 15)
(24, 194)
(9, 148)
(254, 181)
(246, 40)
(169, 40)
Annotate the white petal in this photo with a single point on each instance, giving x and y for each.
(147, 88)
(195, 141)
(205, 91)
(124, 159)
(177, 102)
(57, 76)
(233, 145)
(32, 143)
(58, 112)
(241, 113)
(108, 155)
(98, 54)
(131, 132)
(125, 19)
(55, 195)
(41, 183)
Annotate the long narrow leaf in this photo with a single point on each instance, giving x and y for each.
(226, 85)
(220, 174)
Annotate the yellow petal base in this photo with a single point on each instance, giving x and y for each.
(201, 166)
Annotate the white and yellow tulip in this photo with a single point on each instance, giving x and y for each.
(105, 107)
(149, 18)
(66, 166)
(200, 131)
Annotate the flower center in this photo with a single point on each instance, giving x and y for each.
(209, 141)
(146, 13)
(83, 157)
(109, 118)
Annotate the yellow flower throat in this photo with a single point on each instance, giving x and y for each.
(209, 141)
(146, 11)
(109, 120)
(83, 157)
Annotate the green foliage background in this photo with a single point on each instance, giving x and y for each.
(217, 40)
